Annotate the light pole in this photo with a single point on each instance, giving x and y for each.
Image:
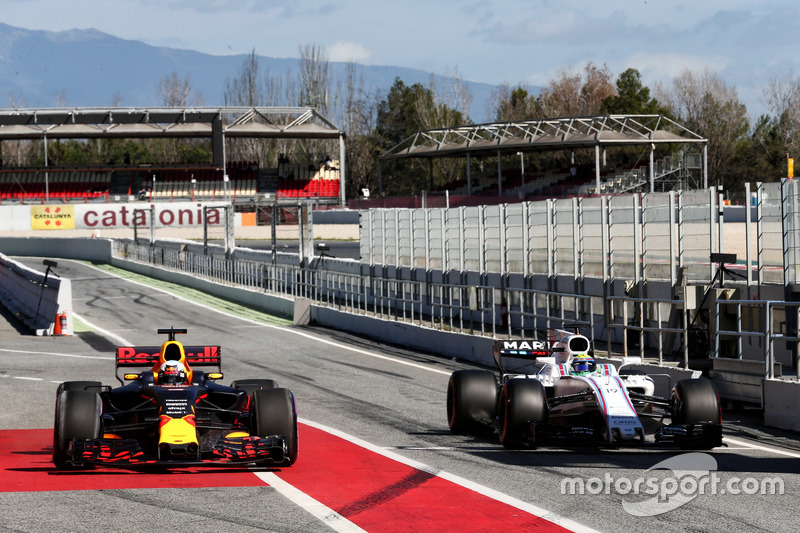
(522, 169)
(49, 264)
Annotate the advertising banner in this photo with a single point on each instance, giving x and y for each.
(166, 215)
(52, 217)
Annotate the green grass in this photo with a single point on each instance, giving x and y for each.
(195, 296)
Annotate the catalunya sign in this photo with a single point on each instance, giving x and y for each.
(127, 215)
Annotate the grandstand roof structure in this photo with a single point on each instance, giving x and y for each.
(543, 135)
(216, 123)
(133, 122)
(568, 133)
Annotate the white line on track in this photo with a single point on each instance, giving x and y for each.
(119, 340)
(28, 352)
(475, 487)
(27, 378)
(330, 517)
(746, 444)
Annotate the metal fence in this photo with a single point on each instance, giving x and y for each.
(763, 323)
(649, 236)
(471, 309)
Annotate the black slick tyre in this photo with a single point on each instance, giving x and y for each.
(91, 386)
(695, 405)
(77, 417)
(471, 398)
(274, 413)
(522, 402)
(694, 401)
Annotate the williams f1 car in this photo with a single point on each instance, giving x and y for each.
(172, 414)
(569, 399)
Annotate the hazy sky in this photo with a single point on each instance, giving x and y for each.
(747, 42)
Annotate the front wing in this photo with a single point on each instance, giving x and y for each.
(572, 430)
(129, 452)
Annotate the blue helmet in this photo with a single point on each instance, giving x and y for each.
(583, 364)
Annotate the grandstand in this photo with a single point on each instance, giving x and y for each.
(505, 141)
(170, 182)
(238, 181)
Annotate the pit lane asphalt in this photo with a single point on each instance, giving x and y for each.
(384, 402)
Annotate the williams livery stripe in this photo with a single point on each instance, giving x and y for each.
(627, 399)
(600, 396)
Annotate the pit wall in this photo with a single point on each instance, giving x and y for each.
(36, 304)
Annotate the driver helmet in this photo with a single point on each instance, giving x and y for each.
(172, 373)
(583, 364)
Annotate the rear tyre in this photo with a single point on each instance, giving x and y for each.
(77, 417)
(274, 413)
(522, 402)
(252, 385)
(471, 397)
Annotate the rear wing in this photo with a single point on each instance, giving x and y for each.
(147, 356)
(523, 349)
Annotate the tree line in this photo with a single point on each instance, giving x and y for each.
(738, 151)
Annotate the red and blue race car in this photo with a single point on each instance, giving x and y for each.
(173, 413)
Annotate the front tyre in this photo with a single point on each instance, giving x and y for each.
(77, 417)
(274, 413)
(695, 404)
(471, 397)
(522, 403)
(694, 401)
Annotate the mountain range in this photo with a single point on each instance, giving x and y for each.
(89, 68)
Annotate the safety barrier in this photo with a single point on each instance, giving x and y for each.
(654, 236)
(42, 301)
(471, 309)
(768, 322)
(636, 320)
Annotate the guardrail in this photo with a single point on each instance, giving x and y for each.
(646, 322)
(472, 309)
(762, 316)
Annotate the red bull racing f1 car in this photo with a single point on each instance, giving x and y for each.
(172, 413)
(569, 399)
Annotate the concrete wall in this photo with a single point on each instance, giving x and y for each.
(278, 305)
(75, 248)
(34, 300)
(782, 404)
(452, 345)
(336, 216)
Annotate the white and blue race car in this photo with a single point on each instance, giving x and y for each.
(571, 400)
